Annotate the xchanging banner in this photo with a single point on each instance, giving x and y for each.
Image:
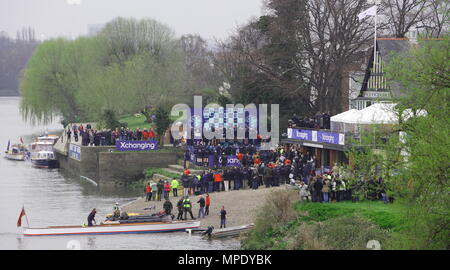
(136, 145)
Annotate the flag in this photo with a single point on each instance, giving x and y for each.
(7, 148)
(22, 213)
(368, 12)
(21, 141)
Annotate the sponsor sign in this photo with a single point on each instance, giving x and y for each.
(136, 145)
(316, 136)
(300, 134)
(233, 161)
(75, 152)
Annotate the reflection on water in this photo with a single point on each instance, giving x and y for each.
(53, 198)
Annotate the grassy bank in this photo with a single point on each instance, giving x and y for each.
(140, 184)
(135, 122)
(334, 226)
(138, 121)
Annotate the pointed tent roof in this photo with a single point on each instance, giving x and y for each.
(349, 117)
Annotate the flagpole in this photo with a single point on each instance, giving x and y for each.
(375, 42)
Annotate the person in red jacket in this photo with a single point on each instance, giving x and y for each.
(148, 191)
(166, 190)
(145, 134)
(207, 204)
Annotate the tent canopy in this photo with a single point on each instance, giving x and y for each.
(379, 113)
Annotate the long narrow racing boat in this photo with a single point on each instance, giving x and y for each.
(114, 228)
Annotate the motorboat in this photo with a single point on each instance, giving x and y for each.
(16, 152)
(235, 231)
(44, 159)
(41, 154)
(48, 138)
(114, 227)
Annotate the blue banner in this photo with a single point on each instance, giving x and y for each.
(316, 136)
(329, 137)
(75, 152)
(136, 145)
(233, 161)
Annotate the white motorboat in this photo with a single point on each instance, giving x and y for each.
(114, 228)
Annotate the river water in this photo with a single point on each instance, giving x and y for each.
(51, 198)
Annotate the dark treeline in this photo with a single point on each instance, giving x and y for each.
(14, 55)
(299, 53)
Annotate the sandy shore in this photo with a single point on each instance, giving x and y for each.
(241, 206)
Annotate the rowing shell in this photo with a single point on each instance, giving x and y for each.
(114, 228)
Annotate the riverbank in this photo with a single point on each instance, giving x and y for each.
(241, 206)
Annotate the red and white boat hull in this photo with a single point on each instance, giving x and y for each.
(153, 227)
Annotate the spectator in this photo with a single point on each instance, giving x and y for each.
(201, 210)
(223, 217)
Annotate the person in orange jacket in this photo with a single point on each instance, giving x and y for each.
(217, 181)
(207, 204)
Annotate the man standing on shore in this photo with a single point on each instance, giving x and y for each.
(201, 211)
(187, 207)
(154, 189)
(160, 187)
(223, 217)
(168, 207)
(166, 190)
(148, 191)
(180, 209)
(69, 132)
(174, 185)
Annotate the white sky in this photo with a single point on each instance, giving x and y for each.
(70, 18)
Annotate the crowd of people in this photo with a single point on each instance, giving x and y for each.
(103, 137)
(284, 165)
(319, 121)
(155, 191)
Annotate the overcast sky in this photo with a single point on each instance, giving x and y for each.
(70, 18)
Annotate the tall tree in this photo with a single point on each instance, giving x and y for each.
(403, 14)
(435, 19)
(296, 55)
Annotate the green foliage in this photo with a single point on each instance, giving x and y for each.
(135, 121)
(151, 171)
(386, 216)
(109, 120)
(131, 65)
(343, 225)
(416, 168)
(162, 122)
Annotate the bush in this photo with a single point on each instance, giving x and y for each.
(151, 171)
(284, 223)
(275, 216)
(341, 233)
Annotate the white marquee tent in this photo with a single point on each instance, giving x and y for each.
(379, 113)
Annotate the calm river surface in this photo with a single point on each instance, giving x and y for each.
(51, 198)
